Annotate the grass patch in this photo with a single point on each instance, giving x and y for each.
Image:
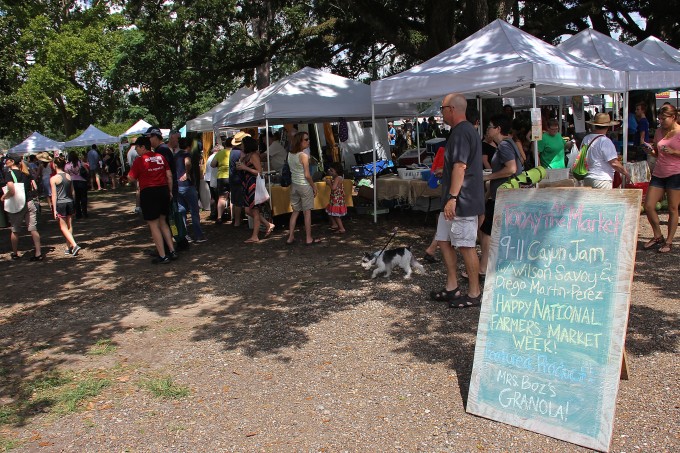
(8, 444)
(70, 399)
(6, 415)
(52, 392)
(163, 387)
(102, 347)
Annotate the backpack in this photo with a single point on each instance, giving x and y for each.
(83, 172)
(580, 168)
(286, 175)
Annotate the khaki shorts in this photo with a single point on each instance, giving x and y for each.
(301, 197)
(28, 215)
(461, 231)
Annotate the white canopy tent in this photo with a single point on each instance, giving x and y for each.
(642, 70)
(136, 129)
(36, 142)
(204, 122)
(92, 136)
(498, 61)
(654, 46)
(308, 96)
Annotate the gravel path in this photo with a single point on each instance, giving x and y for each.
(283, 348)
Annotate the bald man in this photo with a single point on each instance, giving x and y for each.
(462, 204)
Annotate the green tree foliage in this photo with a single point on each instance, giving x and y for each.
(68, 63)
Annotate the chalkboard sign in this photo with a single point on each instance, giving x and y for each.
(554, 313)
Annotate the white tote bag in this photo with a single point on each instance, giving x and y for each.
(16, 202)
(261, 194)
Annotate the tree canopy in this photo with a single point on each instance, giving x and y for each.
(71, 63)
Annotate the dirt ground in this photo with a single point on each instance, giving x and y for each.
(277, 348)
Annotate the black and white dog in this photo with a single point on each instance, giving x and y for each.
(389, 259)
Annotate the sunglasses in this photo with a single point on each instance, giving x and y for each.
(441, 109)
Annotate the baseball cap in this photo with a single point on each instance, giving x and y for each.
(15, 157)
(153, 130)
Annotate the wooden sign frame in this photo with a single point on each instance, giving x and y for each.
(555, 310)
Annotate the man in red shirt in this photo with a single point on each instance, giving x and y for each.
(155, 191)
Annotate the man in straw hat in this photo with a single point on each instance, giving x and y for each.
(602, 160)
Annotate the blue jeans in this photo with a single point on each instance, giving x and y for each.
(188, 201)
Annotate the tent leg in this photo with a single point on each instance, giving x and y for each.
(481, 120)
(624, 139)
(534, 144)
(375, 176)
(318, 145)
(415, 127)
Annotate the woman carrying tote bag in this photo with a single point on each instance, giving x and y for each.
(17, 198)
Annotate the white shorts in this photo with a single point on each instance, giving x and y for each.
(461, 231)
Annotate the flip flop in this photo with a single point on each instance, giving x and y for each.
(430, 258)
(251, 241)
(339, 231)
(314, 242)
(466, 302)
(446, 296)
(269, 230)
(467, 277)
(654, 242)
(666, 248)
(291, 242)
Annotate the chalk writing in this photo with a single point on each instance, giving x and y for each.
(546, 324)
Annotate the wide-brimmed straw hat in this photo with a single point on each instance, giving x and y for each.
(603, 120)
(238, 138)
(43, 157)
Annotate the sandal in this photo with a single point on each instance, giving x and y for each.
(430, 258)
(465, 275)
(14, 256)
(269, 230)
(446, 296)
(37, 258)
(467, 302)
(666, 248)
(654, 242)
(314, 241)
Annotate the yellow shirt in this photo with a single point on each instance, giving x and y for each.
(222, 158)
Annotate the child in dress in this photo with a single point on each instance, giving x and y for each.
(336, 208)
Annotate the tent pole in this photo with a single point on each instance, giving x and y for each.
(269, 164)
(559, 115)
(375, 178)
(318, 145)
(535, 143)
(624, 138)
(481, 121)
(415, 128)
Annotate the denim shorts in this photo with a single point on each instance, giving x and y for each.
(672, 182)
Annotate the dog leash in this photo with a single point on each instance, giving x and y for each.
(394, 233)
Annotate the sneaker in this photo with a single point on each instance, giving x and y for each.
(68, 251)
(201, 239)
(137, 210)
(161, 260)
(173, 255)
(75, 251)
(188, 238)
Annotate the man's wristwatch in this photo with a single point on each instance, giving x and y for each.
(451, 197)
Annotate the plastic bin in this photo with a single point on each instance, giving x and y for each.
(411, 173)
